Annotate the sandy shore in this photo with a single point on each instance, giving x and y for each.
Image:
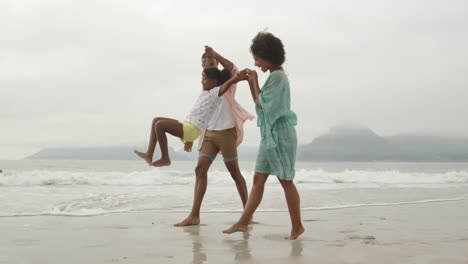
(413, 233)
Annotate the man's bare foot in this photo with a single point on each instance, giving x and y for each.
(144, 156)
(236, 228)
(189, 221)
(295, 233)
(162, 162)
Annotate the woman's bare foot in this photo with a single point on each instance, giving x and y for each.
(296, 232)
(162, 162)
(236, 228)
(144, 156)
(189, 221)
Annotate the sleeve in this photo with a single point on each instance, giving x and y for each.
(273, 99)
(272, 104)
(208, 103)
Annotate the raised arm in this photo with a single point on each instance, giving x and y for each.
(242, 75)
(227, 64)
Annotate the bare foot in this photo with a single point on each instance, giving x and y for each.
(295, 233)
(189, 221)
(162, 162)
(236, 228)
(144, 156)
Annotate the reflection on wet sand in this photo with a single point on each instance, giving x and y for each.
(296, 248)
(240, 248)
(199, 256)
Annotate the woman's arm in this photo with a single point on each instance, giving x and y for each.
(254, 87)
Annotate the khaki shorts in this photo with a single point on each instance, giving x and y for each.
(222, 140)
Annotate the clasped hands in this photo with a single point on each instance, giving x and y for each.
(247, 75)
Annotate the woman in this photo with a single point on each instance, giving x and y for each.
(277, 151)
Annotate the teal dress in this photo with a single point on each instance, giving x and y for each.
(277, 152)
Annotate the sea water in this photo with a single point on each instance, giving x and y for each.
(84, 188)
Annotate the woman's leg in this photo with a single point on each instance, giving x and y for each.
(294, 207)
(255, 197)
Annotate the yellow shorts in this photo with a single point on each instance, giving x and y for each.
(191, 132)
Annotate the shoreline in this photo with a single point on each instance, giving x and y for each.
(214, 211)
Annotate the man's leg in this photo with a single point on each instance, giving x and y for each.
(227, 143)
(201, 181)
(233, 167)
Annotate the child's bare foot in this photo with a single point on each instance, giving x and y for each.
(162, 162)
(236, 228)
(296, 232)
(144, 156)
(189, 221)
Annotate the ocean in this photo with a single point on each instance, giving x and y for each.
(86, 188)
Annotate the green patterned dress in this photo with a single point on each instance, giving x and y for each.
(277, 152)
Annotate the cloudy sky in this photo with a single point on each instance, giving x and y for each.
(94, 73)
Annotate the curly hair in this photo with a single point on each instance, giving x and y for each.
(220, 76)
(268, 47)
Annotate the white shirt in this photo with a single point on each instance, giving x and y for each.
(222, 117)
(204, 107)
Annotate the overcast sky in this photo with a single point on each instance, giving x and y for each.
(94, 73)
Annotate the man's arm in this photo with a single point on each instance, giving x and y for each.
(227, 64)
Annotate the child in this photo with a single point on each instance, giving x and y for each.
(215, 83)
(277, 152)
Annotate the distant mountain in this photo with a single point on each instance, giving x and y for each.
(439, 148)
(100, 153)
(341, 143)
(346, 143)
(354, 143)
(125, 153)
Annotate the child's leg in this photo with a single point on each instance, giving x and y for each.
(255, 197)
(148, 155)
(294, 207)
(162, 127)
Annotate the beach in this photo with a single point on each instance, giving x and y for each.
(124, 211)
(433, 232)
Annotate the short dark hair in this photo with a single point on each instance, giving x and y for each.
(268, 47)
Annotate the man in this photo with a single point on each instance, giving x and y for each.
(224, 134)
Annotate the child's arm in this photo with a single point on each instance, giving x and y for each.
(242, 75)
(227, 64)
(188, 146)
